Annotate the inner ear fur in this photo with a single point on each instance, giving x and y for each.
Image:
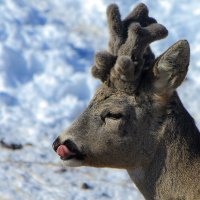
(171, 68)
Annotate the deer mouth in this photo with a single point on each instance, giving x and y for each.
(68, 150)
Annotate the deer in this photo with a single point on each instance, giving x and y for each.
(136, 120)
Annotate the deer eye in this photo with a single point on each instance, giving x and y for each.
(110, 115)
(114, 115)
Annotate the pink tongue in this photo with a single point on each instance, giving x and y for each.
(63, 151)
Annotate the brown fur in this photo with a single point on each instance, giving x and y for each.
(136, 120)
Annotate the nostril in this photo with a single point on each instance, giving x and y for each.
(56, 144)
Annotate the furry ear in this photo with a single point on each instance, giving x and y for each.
(171, 68)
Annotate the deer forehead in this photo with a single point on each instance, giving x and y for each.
(107, 95)
(115, 101)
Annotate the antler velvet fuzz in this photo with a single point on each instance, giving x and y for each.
(128, 45)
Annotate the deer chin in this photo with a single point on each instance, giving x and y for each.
(72, 163)
(74, 159)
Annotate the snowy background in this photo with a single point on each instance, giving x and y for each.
(46, 51)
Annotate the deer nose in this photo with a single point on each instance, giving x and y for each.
(56, 144)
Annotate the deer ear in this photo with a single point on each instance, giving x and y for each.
(171, 68)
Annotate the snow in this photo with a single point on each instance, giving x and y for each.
(46, 51)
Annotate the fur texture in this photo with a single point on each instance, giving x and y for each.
(136, 120)
(130, 37)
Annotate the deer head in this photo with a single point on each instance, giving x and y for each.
(122, 126)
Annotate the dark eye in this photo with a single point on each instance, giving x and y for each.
(114, 116)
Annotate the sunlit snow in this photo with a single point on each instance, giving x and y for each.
(46, 51)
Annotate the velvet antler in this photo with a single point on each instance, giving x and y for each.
(118, 29)
(129, 47)
(130, 55)
(105, 60)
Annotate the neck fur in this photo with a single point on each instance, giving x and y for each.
(174, 171)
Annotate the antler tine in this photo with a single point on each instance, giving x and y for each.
(115, 27)
(139, 14)
(104, 61)
(127, 71)
(131, 38)
(118, 28)
(121, 75)
(139, 39)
